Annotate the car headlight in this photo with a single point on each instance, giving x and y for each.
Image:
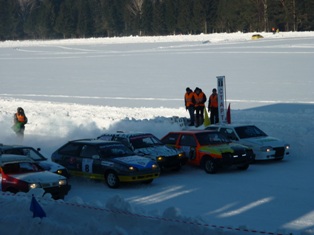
(160, 158)
(287, 146)
(34, 185)
(181, 155)
(132, 168)
(62, 182)
(266, 149)
(155, 166)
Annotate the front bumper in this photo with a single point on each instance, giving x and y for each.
(139, 177)
(58, 192)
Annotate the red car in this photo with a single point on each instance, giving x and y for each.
(21, 174)
(210, 149)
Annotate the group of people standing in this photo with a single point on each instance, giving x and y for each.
(195, 103)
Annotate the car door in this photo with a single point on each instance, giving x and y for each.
(188, 144)
(70, 156)
(89, 160)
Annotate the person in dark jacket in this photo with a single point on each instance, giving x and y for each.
(19, 119)
(200, 99)
(213, 107)
(189, 103)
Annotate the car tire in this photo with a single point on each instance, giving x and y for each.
(243, 167)
(210, 166)
(112, 179)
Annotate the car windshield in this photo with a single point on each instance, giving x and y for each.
(249, 132)
(28, 152)
(209, 138)
(112, 151)
(20, 168)
(144, 141)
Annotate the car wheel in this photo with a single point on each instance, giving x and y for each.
(112, 180)
(210, 166)
(244, 167)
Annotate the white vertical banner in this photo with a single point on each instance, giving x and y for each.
(222, 101)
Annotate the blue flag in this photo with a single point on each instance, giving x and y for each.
(36, 209)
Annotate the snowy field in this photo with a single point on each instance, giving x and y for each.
(82, 88)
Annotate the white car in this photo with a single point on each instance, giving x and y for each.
(265, 147)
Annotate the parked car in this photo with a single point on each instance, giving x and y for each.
(264, 146)
(36, 156)
(21, 174)
(148, 145)
(210, 149)
(111, 161)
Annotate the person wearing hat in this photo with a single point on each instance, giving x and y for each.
(213, 107)
(189, 102)
(19, 120)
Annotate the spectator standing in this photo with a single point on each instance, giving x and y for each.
(200, 99)
(189, 102)
(213, 107)
(19, 119)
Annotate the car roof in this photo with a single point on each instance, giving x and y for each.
(9, 146)
(194, 131)
(93, 141)
(12, 158)
(231, 125)
(126, 134)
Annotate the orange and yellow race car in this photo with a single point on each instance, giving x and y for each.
(210, 149)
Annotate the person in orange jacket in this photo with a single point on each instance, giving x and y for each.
(189, 102)
(200, 99)
(19, 119)
(213, 107)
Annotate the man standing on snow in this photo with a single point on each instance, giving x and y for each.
(200, 99)
(19, 120)
(189, 103)
(213, 107)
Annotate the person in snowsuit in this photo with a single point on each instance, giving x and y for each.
(200, 99)
(213, 107)
(189, 103)
(19, 119)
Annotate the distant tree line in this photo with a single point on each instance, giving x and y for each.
(55, 19)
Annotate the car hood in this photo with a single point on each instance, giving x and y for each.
(135, 161)
(38, 177)
(50, 166)
(158, 150)
(262, 141)
(223, 148)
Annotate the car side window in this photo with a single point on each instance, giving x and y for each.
(229, 133)
(89, 151)
(72, 149)
(187, 140)
(170, 139)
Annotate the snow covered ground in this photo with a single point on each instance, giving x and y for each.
(82, 88)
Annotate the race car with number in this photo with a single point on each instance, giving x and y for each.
(105, 160)
(210, 149)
